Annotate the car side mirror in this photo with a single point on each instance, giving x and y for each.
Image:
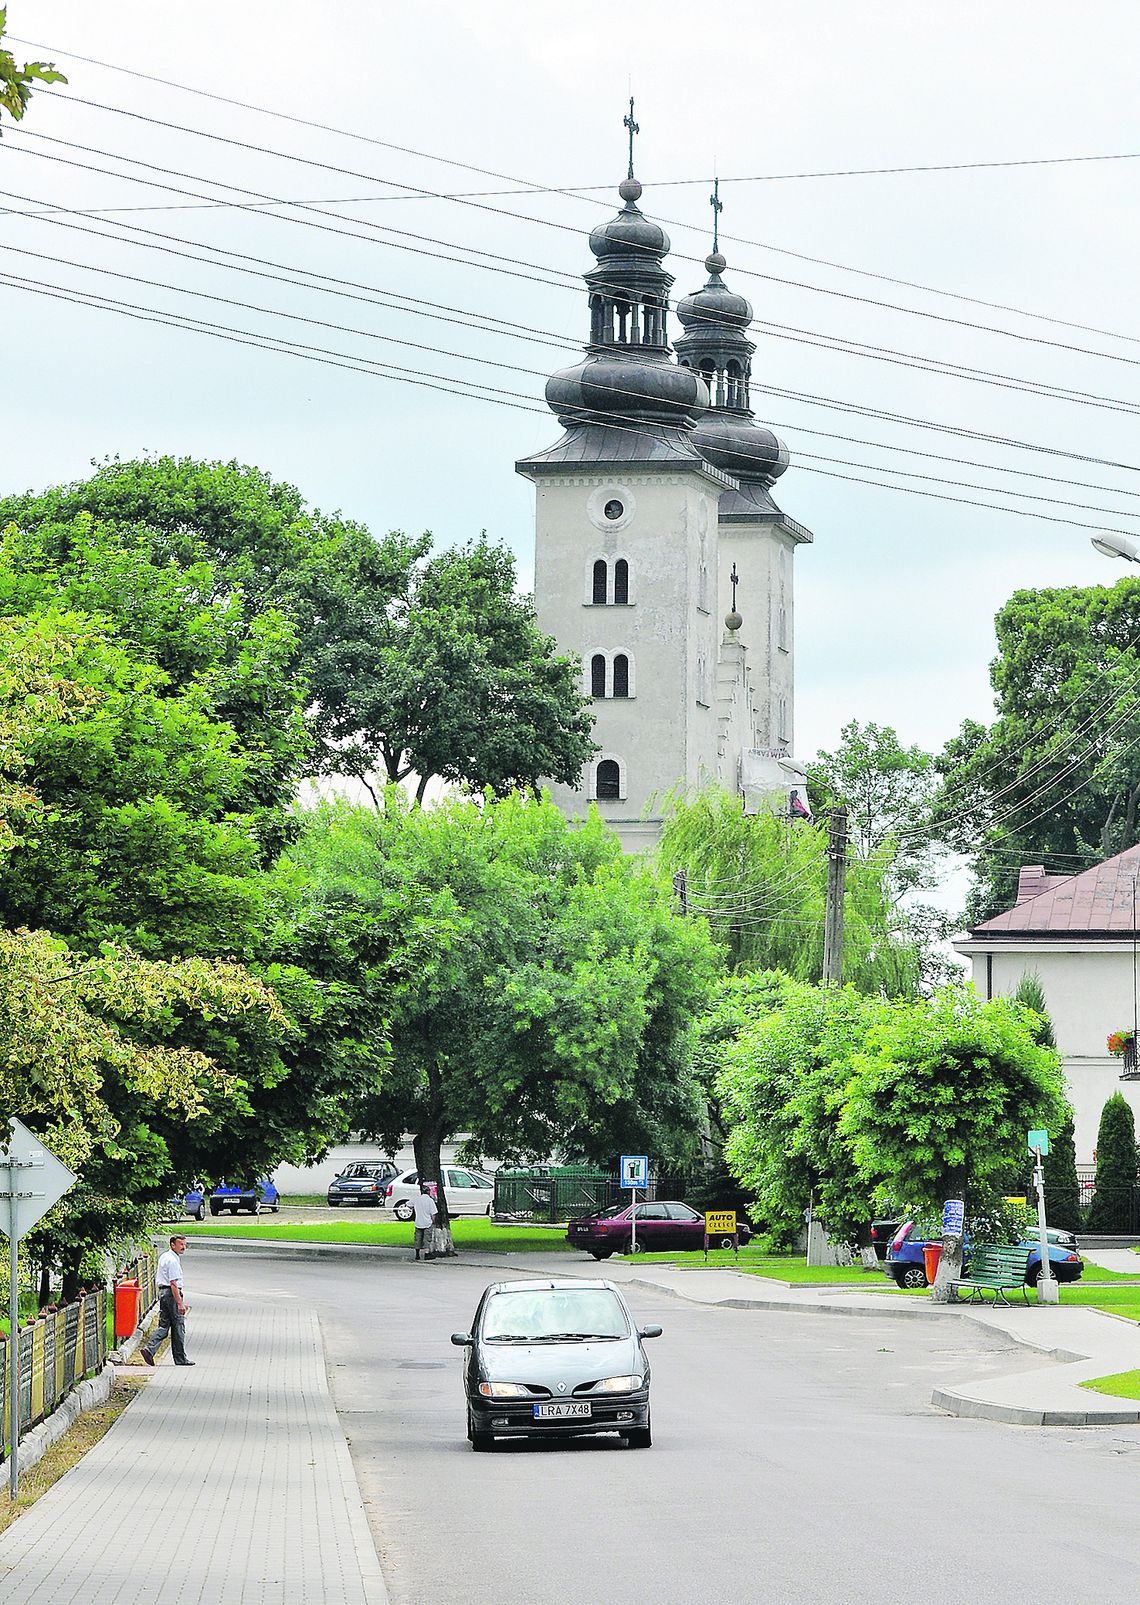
(646, 1331)
(462, 1340)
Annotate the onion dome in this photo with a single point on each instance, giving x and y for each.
(715, 308)
(736, 444)
(643, 388)
(630, 232)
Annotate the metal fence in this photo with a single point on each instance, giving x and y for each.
(64, 1346)
(549, 1195)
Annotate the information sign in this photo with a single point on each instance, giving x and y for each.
(953, 1217)
(1039, 1142)
(634, 1170)
(720, 1223)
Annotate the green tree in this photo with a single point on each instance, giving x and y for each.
(1062, 1189)
(16, 81)
(941, 1096)
(412, 664)
(783, 1090)
(761, 883)
(887, 790)
(540, 985)
(1056, 778)
(1115, 1163)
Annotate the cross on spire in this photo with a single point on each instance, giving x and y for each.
(634, 128)
(734, 581)
(718, 207)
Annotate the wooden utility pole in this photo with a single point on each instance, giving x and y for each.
(836, 885)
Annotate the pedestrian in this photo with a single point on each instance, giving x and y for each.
(171, 1305)
(424, 1213)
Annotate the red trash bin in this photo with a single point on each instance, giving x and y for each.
(126, 1308)
(932, 1253)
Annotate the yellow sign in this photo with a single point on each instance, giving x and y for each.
(720, 1223)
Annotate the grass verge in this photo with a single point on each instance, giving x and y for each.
(1121, 1385)
(480, 1234)
(84, 1434)
(780, 1267)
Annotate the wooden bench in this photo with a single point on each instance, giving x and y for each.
(996, 1270)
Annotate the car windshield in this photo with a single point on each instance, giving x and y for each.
(552, 1315)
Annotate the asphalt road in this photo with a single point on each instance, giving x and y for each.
(796, 1459)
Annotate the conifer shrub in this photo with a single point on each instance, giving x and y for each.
(1115, 1164)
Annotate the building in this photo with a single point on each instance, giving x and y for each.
(1078, 933)
(661, 559)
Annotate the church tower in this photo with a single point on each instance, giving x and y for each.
(626, 549)
(757, 541)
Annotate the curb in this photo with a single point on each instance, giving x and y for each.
(960, 1404)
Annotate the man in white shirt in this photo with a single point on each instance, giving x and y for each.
(171, 1306)
(424, 1212)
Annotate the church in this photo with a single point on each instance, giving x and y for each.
(661, 558)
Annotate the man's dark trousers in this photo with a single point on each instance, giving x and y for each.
(169, 1320)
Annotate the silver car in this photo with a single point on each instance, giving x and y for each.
(555, 1359)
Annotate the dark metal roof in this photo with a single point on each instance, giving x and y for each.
(585, 445)
(752, 504)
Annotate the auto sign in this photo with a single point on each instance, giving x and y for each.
(720, 1223)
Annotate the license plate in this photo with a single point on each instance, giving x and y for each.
(560, 1412)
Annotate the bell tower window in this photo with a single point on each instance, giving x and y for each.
(599, 585)
(608, 786)
(621, 583)
(621, 675)
(597, 675)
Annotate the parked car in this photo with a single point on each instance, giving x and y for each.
(557, 1359)
(662, 1224)
(365, 1182)
(882, 1231)
(468, 1192)
(192, 1202)
(905, 1261)
(261, 1195)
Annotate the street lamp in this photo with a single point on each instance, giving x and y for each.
(1109, 545)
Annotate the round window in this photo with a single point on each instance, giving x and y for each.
(613, 509)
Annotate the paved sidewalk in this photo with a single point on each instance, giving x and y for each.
(226, 1484)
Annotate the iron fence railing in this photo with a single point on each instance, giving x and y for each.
(64, 1346)
(548, 1195)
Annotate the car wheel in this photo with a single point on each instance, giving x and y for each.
(215, 1209)
(1032, 1274)
(636, 1248)
(727, 1242)
(911, 1276)
(600, 1253)
(481, 1442)
(334, 1203)
(403, 1210)
(489, 1211)
(640, 1437)
(199, 1213)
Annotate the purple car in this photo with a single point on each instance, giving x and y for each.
(664, 1224)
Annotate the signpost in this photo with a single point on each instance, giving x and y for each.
(721, 1223)
(634, 1174)
(1047, 1289)
(32, 1180)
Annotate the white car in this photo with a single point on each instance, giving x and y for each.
(468, 1192)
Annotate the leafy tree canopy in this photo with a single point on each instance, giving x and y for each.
(761, 882)
(887, 790)
(16, 81)
(1056, 778)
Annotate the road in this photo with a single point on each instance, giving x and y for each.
(796, 1459)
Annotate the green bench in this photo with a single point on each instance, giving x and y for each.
(996, 1270)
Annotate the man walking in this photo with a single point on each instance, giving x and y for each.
(424, 1212)
(171, 1306)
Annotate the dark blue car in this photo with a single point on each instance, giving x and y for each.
(262, 1195)
(906, 1265)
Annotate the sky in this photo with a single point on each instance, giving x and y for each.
(896, 597)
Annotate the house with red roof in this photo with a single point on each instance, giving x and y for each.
(1078, 934)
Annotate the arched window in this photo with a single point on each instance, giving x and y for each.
(621, 582)
(599, 592)
(609, 781)
(621, 675)
(597, 675)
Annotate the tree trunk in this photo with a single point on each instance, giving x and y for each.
(45, 1285)
(950, 1265)
(867, 1256)
(426, 1146)
(70, 1283)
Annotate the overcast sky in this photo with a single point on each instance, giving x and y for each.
(895, 600)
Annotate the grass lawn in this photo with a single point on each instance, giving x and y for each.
(477, 1234)
(781, 1267)
(1121, 1385)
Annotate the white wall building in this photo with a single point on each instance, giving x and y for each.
(1078, 934)
(661, 560)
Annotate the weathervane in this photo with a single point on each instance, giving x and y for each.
(734, 581)
(718, 207)
(634, 128)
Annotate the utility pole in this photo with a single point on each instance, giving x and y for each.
(681, 890)
(836, 886)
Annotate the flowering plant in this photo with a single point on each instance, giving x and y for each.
(1119, 1042)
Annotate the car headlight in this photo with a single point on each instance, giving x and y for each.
(618, 1384)
(504, 1390)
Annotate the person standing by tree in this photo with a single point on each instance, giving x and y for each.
(424, 1212)
(171, 1305)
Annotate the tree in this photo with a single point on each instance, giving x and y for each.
(783, 1088)
(761, 883)
(1062, 1189)
(16, 81)
(1056, 778)
(887, 790)
(941, 1096)
(1115, 1163)
(540, 985)
(414, 664)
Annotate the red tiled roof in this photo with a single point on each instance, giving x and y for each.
(1099, 902)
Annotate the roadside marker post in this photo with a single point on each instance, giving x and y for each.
(634, 1174)
(33, 1182)
(1047, 1290)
